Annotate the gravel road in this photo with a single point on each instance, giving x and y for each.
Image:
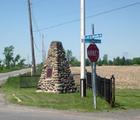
(14, 112)
(4, 76)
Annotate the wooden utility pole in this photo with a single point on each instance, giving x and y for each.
(32, 38)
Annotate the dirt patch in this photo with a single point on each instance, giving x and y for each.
(125, 76)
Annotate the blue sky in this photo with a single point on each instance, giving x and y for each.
(120, 29)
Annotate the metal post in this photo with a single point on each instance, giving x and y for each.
(92, 29)
(93, 78)
(82, 41)
(32, 38)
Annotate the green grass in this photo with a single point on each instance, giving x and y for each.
(125, 99)
(4, 70)
(30, 97)
(128, 98)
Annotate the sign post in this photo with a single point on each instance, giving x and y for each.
(93, 55)
(93, 78)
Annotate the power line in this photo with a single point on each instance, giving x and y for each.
(57, 25)
(37, 47)
(36, 25)
(113, 10)
(88, 17)
(38, 1)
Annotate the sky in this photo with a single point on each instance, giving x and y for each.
(120, 29)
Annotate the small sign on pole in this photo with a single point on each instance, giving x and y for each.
(93, 38)
(93, 55)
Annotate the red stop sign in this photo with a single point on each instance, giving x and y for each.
(93, 52)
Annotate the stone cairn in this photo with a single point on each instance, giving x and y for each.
(56, 75)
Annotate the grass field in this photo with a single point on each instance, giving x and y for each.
(4, 70)
(125, 98)
(128, 97)
(29, 97)
(127, 77)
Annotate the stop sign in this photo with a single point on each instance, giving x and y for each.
(93, 52)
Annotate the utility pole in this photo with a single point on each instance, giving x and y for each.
(32, 38)
(82, 41)
(43, 50)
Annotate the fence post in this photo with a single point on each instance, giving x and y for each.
(110, 91)
(104, 81)
(113, 91)
(97, 85)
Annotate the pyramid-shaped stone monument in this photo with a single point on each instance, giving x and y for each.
(56, 75)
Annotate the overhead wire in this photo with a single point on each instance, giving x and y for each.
(36, 25)
(90, 16)
(37, 1)
(114, 9)
(37, 47)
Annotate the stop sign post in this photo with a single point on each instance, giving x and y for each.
(93, 55)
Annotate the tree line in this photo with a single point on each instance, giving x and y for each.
(119, 61)
(73, 61)
(10, 62)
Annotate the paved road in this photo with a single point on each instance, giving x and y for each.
(11, 112)
(4, 76)
(15, 112)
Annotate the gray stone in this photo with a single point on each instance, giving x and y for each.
(56, 74)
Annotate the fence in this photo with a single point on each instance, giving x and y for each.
(104, 87)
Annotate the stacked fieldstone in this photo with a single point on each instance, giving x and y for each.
(56, 74)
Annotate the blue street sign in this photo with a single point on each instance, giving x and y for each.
(97, 40)
(97, 35)
(89, 37)
(93, 36)
(92, 40)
